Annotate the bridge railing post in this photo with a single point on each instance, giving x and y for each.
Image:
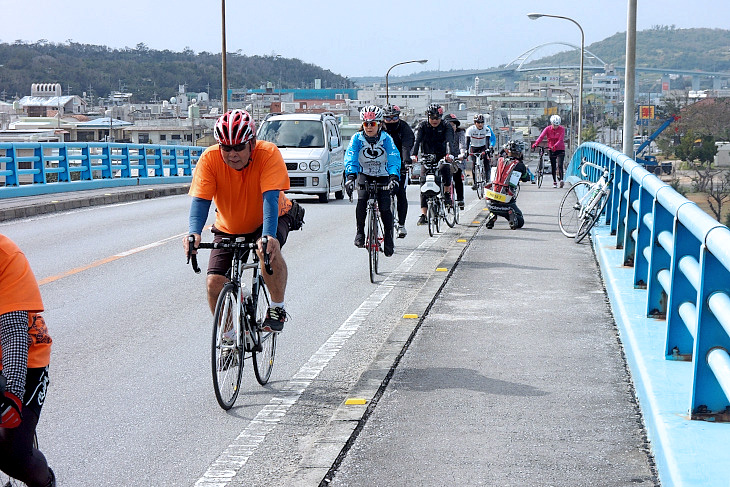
(711, 381)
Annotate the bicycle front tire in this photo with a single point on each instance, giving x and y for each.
(263, 357)
(479, 181)
(450, 213)
(226, 348)
(569, 216)
(592, 216)
(540, 171)
(372, 243)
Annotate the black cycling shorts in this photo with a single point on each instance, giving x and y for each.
(221, 259)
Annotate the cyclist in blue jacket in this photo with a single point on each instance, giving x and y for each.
(372, 155)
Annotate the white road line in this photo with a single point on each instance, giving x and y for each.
(234, 457)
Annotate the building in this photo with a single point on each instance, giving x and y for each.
(606, 85)
(46, 100)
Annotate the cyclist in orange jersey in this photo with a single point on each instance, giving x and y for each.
(25, 350)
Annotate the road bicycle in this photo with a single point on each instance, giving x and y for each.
(6, 481)
(375, 231)
(540, 166)
(238, 319)
(583, 204)
(479, 174)
(436, 207)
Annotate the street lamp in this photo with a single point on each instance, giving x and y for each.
(224, 77)
(534, 16)
(422, 61)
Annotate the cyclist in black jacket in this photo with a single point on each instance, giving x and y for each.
(403, 138)
(434, 136)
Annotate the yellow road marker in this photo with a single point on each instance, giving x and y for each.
(410, 316)
(441, 269)
(354, 401)
(476, 221)
(461, 240)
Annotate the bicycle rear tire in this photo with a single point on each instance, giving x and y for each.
(431, 217)
(569, 219)
(226, 358)
(263, 358)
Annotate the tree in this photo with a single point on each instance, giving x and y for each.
(589, 133)
(718, 193)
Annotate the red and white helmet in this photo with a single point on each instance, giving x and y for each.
(372, 113)
(234, 127)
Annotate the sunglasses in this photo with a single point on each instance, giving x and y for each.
(237, 147)
(370, 124)
(434, 118)
(480, 123)
(390, 119)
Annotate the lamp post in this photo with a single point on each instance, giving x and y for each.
(224, 77)
(535, 16)
(422, 61)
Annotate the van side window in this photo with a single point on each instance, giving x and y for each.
(331, 132)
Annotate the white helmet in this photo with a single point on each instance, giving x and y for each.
(371, 113)
(555, 120)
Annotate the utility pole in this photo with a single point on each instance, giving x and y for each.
(630, 80)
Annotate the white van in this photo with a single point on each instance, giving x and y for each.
(311, 145)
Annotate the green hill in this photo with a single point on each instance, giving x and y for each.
(147, 73)
(659, 47)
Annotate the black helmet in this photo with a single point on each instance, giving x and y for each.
(452, 118)
(434, 111)
(515, 146)
(478, 118)
(391, 110)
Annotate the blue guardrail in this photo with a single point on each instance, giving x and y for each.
(666, 266)
(28, 168)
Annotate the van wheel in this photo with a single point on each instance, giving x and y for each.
(325, 197)
(339, 195)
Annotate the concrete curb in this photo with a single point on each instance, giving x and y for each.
(330, 447)
(25, 207)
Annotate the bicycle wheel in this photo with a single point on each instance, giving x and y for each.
(449, 211)
(226, 348)
(432, 217)
(595, 209)
(394, 211)
(456, 207)
(372, 241)
(569, 217)
(540, 171)
(479, 181)
(263, 356)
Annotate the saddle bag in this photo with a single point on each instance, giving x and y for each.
(296, 212)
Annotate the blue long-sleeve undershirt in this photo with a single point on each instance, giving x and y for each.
(271, 212)
(199, 209)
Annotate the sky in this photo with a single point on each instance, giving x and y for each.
(361, 38)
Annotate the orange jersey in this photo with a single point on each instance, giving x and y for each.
(238, 195)
(19, 292)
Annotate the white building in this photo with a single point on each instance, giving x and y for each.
(412, 102)
(606, 85)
